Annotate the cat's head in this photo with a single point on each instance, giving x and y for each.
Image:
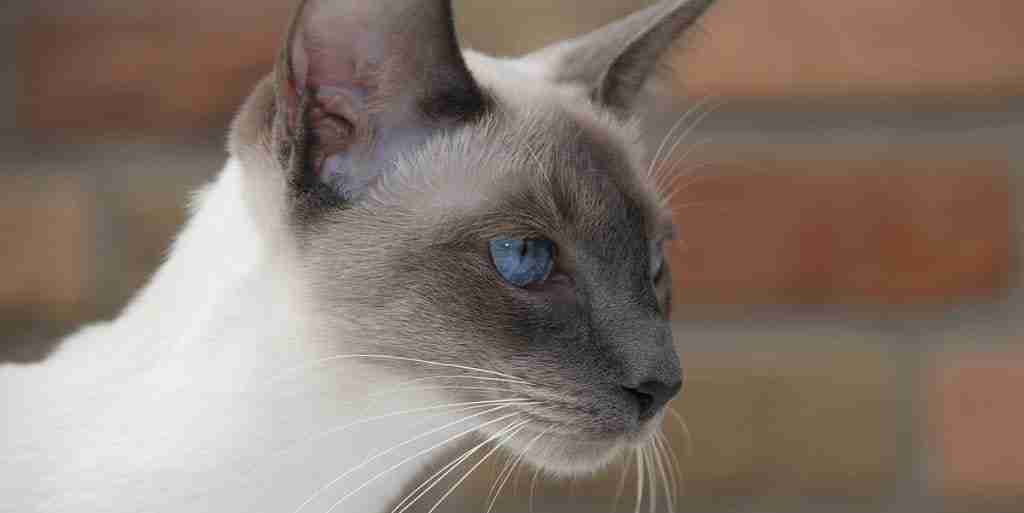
(483, 213)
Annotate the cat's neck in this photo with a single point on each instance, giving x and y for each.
(215, 252)
(202, 396)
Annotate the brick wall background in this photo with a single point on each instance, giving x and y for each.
(849, 270)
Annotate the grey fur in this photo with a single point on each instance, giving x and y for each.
(402, 268)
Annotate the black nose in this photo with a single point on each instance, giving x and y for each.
(651, 397)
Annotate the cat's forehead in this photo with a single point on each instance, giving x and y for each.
(551, 168)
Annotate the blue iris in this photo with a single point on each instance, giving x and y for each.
(523, 262)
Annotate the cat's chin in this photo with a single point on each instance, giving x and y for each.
(572, 455)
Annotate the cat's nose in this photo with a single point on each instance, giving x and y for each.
(652, 396)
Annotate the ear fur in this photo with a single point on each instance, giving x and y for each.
(359, 82)
(615, 61)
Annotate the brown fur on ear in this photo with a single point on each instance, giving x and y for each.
(360, 82)
(615, 61)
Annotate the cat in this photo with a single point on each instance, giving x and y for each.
(411, 247)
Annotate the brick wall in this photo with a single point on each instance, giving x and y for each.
(848, 269)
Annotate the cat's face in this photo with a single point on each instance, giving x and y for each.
(503, 222)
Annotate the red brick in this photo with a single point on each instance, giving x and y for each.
(976, 424)
(900, 230)
(838, 48)
(170, 68)
(165, 70)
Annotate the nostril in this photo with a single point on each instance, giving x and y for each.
(643, 400)
(651, 396)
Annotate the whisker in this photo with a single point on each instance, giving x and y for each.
(694, 204)
(397, 390)
(439, 476)
(515, 466)
(692, 177)
(652, 485)
(507, 468)
(659, 463)
(640, 469)
(289, 372)
(684, 177)
(432, 481)
(428, 418)
(380, 455)
(426, 409)
(462, 377)
(664, 467)
(688, 440)
(405, 461)
(664, 140)
(682, 137)
(689, 151)
(671, 172)
(516, 429)
(674, 469)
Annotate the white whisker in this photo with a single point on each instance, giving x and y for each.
(688, 439)
(516, 429)
(398, 390)
(682, 137)
(665, 468)
(674, 469)
(515, 466)
(289, 372)
(492, 496)
(427, 419)
(639, 480)
(462, 377)
(432, 481)
(670, 182)
(652, 486)
(671, 132)
(426, 409)
(659, 464)
(439, 476)
(415, 456)
(693, 177)
(395, 448)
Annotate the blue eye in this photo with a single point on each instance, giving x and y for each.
(523, 262)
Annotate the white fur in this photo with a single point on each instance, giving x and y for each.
(175, 406)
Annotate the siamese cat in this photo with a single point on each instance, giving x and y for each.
(412, 248)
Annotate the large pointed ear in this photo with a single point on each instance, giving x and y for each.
(359, 83)
(615, 61)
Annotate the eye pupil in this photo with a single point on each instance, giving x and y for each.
(523, 262)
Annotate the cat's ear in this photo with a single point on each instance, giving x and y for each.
(360, 82)
(615, 61)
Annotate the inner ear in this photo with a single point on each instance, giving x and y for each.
(361, 82)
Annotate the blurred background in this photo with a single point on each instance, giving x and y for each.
(849, 304)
